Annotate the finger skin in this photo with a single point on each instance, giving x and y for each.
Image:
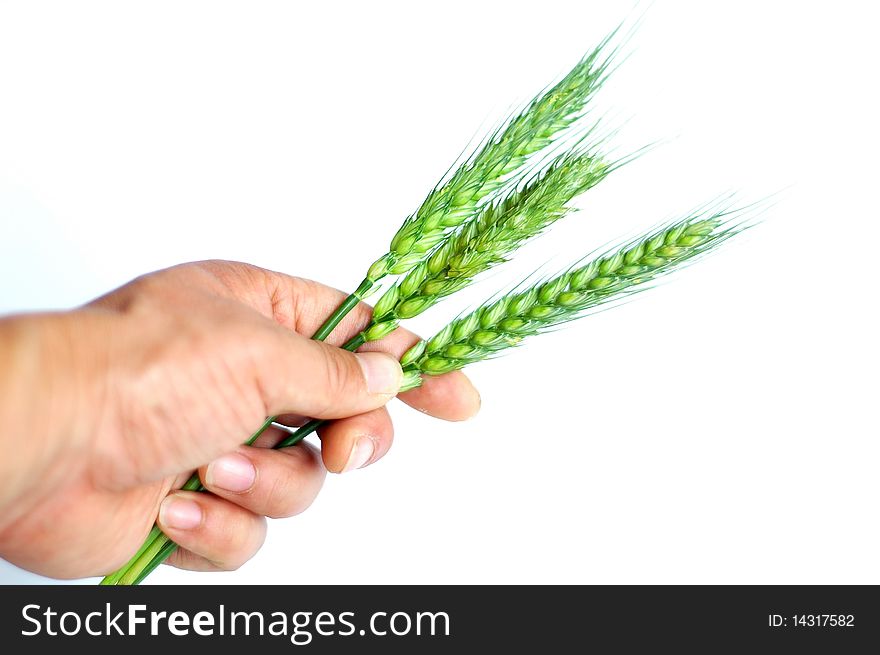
(339, 438)
(302, 305)
(184, 559)
(440, 397)
(227, 535)
(303, 376)
(167, 373)
(451, 397)
(286, 481)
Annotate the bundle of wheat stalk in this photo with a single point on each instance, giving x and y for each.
(508, 191)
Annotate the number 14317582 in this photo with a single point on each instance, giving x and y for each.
(811, 621)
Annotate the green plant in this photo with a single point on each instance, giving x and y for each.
(498, 198)
(504, 323)
(495, 164)
(499, 162)
(489, 239)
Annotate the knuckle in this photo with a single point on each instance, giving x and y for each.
(336, 372)
(301, 302)
(243, 545)
(289, 497)
(338, 379)
(293, 491)
(283, 506)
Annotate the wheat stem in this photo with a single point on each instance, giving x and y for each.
(114, 577)
(342, 311)
(157, 547)
(504, 323)
(457, 233)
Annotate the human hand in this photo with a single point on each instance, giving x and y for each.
(110, 407)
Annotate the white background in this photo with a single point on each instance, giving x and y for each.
(722, 428)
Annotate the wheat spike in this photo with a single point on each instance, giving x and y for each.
(504, 323)
(489, 239)
(459, 198)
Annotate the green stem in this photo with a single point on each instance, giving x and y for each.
(347, 305)
(158, 547)
(113, 578)
(301, 433)
(193, 484)
(162, 555)
(131, 573)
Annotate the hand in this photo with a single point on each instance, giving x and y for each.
(108, 408)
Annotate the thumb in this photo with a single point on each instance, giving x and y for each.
(323, 381)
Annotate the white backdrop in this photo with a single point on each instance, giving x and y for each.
(721, 428)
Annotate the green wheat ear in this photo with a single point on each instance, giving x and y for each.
(504, 323)
(490, 238)
(458, 199)
(453, 202)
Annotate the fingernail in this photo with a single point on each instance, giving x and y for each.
(231, 472)
(382, 372)
(361, 453)
(180, 513)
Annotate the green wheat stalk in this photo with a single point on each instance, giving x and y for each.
(504, 323)
(473, 248)
(450, 204)
(458, 199)
(458, 202)
(487, 241)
